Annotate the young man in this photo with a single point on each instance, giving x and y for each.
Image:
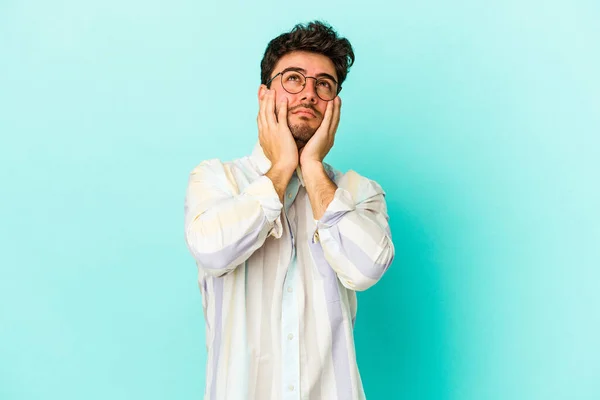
(283, 241)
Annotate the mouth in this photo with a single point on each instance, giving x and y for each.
(304, 112)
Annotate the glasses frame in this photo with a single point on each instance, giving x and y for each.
(339, 88)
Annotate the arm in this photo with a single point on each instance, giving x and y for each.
(320, 189)
(353, 228)
(224, 227)
(352, 224)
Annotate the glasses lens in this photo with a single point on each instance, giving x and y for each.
(326, 89)
(293, 81)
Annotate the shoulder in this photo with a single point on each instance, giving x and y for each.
(360, 187)
(216, 166)
(230, 176)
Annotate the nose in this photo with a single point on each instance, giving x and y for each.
(310, 90)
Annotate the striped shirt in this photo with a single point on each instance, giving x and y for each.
(278, 287)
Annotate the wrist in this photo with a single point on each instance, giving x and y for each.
(283, 168)
(280, 178)
(312, 165)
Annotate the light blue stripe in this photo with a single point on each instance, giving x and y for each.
(223, 258)
(217, 284)
(357, 256)
(330, 279)
(339, 344)
(331, 218)
(339, 351)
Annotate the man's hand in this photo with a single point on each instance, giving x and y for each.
(322, 141)
(320, 189)
(274, 134)
(277, 141)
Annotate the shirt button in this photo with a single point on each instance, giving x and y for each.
(290, 336)
(290, 290)
(289, 195)
(291, 387)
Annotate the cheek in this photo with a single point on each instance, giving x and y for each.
(280, 95)
(322, 107)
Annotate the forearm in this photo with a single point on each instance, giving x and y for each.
(357, 247)
(320, 189)
(280, 177)
(223, 232)
(354, 232)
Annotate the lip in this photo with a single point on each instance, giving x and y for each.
(304, 112)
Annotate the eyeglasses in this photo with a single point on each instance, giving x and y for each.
(294, 82)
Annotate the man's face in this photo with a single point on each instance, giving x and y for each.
(305, 109)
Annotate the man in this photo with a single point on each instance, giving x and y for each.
(283, 241)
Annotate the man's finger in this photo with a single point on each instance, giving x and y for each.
(262, 111)
(270, 109)
(326, 123)
(337, 110)
(282, 114)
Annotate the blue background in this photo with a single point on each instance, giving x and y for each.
(480, 119)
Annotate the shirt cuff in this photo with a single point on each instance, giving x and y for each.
(264, 192)
(341, 204)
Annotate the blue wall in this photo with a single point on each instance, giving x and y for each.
(480, 120)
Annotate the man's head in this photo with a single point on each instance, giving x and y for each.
(312, 51)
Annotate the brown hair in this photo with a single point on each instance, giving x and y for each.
(315, 37)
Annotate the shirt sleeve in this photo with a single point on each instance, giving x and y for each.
(224, 226)
(354, 232)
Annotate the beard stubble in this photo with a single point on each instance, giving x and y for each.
(301, 132)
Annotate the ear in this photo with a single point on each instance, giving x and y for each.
(262, 89)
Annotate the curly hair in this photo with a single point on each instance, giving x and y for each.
(315, 37)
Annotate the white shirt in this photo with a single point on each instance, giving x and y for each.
(278, 287)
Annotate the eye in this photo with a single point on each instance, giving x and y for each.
(325, 83)
(293, 77)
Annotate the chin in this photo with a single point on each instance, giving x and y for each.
(302, 132)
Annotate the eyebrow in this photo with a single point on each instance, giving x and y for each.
(321, 75)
